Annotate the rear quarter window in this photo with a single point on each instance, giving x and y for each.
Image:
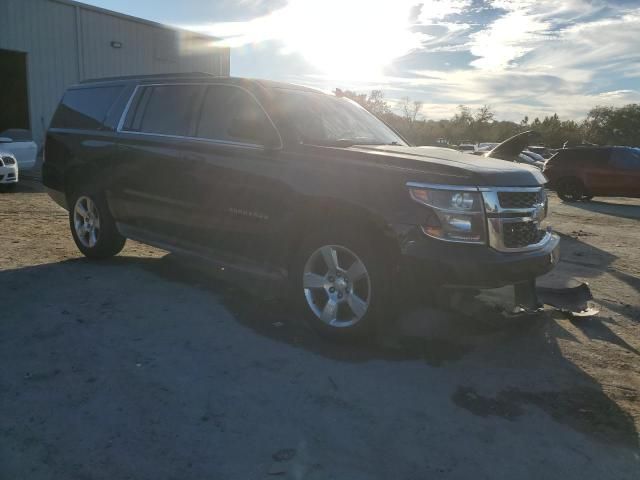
(85, 108)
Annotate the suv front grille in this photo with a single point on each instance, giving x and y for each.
(514, 217)
(521, 234)
(519, 199)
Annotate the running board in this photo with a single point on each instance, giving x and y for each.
(271, 281)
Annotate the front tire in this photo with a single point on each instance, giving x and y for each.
(92, 226)
(340, 283)
(570, 189)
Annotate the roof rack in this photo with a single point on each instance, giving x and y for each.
(152, 76)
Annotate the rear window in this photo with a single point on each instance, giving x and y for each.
(85, 108)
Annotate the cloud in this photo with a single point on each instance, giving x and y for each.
(347, 39)
(522, 57)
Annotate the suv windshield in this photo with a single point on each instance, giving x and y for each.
(318, 119)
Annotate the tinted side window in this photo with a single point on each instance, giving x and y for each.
(85, 108)
(166, 109)
(626, 158)
(230, 114)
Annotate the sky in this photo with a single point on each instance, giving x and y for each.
(520, 57)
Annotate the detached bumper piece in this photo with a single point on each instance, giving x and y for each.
(573, 301)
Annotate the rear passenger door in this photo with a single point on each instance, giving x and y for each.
(149, 189)
(625, 169)
(592, 166)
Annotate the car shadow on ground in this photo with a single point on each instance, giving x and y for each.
(482, 338)
(622, 210)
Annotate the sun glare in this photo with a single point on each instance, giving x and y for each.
(343, 39)
(348, 39)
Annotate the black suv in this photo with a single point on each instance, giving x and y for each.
(304, 191)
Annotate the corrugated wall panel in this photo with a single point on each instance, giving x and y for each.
(46, 31)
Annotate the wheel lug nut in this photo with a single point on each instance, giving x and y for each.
(332, 290)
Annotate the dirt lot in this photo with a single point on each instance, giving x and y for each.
(137, 368)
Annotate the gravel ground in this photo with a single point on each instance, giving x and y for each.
(140, 368)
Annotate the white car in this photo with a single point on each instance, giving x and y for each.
(20, 143)
(8, 171)
(536, 156)
(467, 147)
(526, 158)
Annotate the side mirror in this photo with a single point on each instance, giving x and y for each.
(255, 131)
(6, 140)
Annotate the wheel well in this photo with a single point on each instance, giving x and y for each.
(325, 212)
(565, 178)
(80, 176)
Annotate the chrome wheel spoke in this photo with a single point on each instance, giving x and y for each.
(357, 305)
(313, 280)
(330, 257)
(330, 312)
(356, 271)
(81, 209)
(92, 238)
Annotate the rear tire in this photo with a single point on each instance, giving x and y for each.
(340, 283)
(92, 226)
(570, 189)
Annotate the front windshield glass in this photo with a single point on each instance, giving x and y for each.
(319, 119)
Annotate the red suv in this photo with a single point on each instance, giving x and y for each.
(582, 173)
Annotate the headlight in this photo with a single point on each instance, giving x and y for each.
(456, 216)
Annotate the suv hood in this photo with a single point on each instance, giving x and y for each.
(445, 165)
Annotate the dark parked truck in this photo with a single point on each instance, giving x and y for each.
(304, 191)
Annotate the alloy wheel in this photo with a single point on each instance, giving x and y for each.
(86, 221)
(337, 286)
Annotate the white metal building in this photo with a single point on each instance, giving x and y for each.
(47, 45)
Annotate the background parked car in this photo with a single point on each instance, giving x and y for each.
(525, 157)
(467, 147)
(544, 152)
(20, 143)
(8, 171)
(582, 173)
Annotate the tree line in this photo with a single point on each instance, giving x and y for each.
(603, 125)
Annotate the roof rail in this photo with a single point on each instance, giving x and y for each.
(152, 76)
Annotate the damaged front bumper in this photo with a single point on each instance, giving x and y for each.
(475, 266)
(455, 266)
